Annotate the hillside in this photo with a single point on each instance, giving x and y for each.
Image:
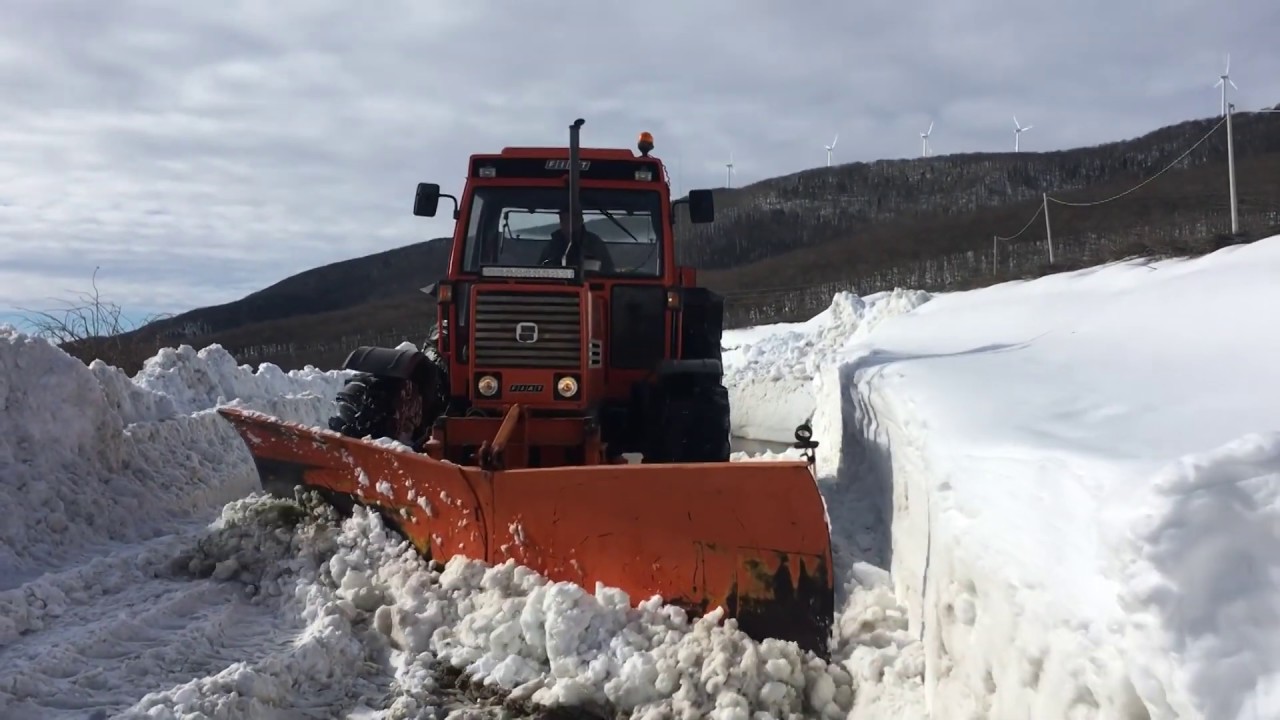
(333, 287)
(840, 204)
(780, 247)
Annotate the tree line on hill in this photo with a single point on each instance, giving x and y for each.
(839, 204)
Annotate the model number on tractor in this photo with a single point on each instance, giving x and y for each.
(561, 164)
(526, 387)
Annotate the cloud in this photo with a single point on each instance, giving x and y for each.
(196, 152)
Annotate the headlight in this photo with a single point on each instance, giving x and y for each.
(567, 387)
(487, 385)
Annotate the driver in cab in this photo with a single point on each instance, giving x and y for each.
(558, 251)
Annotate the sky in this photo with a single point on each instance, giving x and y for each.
(195, 152)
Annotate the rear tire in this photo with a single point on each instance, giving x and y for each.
(689, 422)
(389, 407)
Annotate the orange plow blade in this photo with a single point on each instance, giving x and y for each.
(749, 537)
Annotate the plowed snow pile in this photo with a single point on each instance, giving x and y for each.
(106, 483)
(769, 370)
(1082, 478)
(90, 456)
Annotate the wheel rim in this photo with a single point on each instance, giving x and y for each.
(406, 419)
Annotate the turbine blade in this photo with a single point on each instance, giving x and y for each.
(1233, 83)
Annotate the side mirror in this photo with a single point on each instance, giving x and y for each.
(702, 206)
(427, 200)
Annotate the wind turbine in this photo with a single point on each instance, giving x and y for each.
(831, 147)
(1224, 79)
(728, 171)
(1017, 132)
(924, 140)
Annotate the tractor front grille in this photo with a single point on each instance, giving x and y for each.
(542, 330)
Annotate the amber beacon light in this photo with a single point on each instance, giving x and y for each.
(646, 143)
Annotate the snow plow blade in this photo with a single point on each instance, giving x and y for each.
(750, 537)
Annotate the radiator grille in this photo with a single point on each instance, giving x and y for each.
(557, 317)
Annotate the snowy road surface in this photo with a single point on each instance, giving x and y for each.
(1056, 498)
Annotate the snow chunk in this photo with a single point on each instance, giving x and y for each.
(1203, 581)
(556, 643)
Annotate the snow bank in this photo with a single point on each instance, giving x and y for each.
(769, 369)
(1062, 543)
(89, 456)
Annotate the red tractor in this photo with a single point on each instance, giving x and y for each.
(568, 342)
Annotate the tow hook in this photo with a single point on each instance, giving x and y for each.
(805, 442)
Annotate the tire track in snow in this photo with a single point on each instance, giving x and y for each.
(71, 594)
(102, 634)
(219, 617)
(161, 634)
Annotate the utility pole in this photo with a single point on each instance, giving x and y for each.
(1048, 234)
(1231, 173)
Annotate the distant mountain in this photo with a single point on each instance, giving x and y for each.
(926, 222)
(346, 284)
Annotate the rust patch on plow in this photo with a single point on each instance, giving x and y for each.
(784, 594)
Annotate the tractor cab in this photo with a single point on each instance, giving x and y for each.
(623, 231)
(515, 218)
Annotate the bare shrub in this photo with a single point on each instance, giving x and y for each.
(88, 327)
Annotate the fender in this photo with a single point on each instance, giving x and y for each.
(690, 366)
(385, 362)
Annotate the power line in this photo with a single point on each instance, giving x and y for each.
(1046, 198)
(1166, 169)
(1041, 209)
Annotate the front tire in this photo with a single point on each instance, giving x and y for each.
(690, 422)
(402, 409)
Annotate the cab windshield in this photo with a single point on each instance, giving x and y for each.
(521, 227)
